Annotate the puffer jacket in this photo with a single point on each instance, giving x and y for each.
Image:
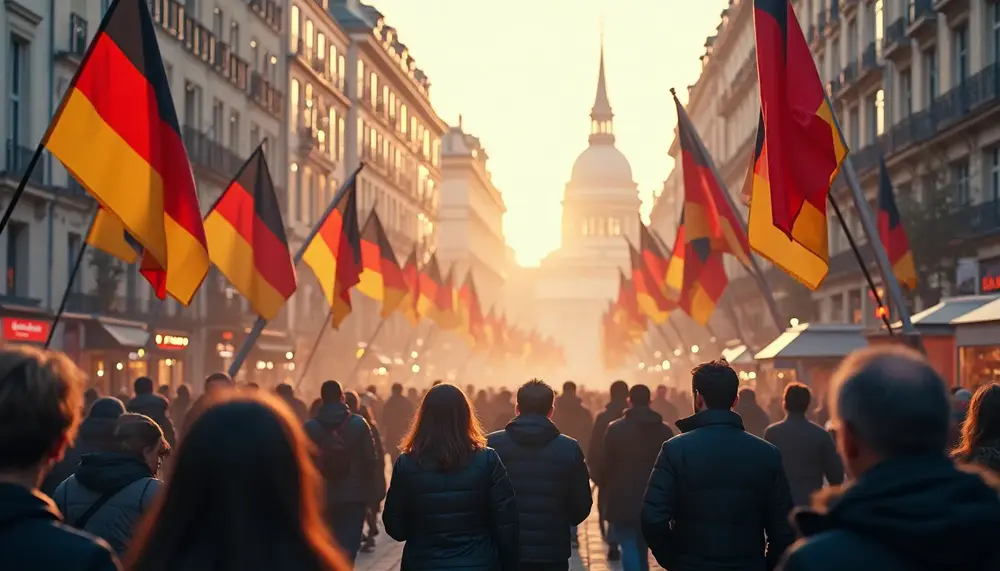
(460, 520)
(361, 484)
(551, 482)
(107, 472)
(986, 455)
(95, 435)
(155, 407)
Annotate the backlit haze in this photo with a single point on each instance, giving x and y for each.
(522, 73)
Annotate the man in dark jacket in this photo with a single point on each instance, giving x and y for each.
(630, 448)
(807, 451)
(662, 406)
(40, 404)
(595, 455)
(909, 507)
(153, 405)
(717, 497)
(349, 464)
(549, 477)
(755, 419)
(397, 413)
(571, 417)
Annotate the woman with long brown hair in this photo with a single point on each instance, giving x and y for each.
(449, 497)
(980, 443)
(242, 494)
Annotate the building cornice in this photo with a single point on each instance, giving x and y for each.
(465, 163)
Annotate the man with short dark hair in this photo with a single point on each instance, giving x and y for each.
(630, 448)
(595, 455)
(349, 463)
(909, 507)
(549, 477)
(153, 405)
(40, 404)
(807, 451)
(717, 497)
(218, 381)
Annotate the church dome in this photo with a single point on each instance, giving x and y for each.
(602, 165)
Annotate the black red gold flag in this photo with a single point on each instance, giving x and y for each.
(334, 254)
(892, 233)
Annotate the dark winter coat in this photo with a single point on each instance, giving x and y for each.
(360, 485)
(595, 452)
(755, 419)
(986, 455)
(666, 409)
(808, 455)
(396, 416)
(95, 435)
(155, 407)
(630, 448)
(101, 473)
(33, 538)
(908, 514)
(462, 520)
(717, 498)
(573, 419)
(550, 481)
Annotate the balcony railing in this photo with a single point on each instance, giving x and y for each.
(895, 33)
(210, 154)
(918, 9)
(821, 24)
(266, 95)
(850, 74)
(18, 159)
(869, 58)
(269, 10)
(77, 34)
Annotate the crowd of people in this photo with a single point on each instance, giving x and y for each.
(900, 474)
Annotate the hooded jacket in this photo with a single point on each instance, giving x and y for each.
(550, 482)
(595, 452)
(630, 450)
(95, 435)
(127, 476)
(360, 485)
(907, 514)
(155, 407)
(573, 419)
(32, 536)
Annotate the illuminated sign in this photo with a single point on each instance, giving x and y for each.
(171, 342)
(29, 330)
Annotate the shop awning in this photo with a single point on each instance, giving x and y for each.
(814, 341)
(947, 313)
(984, 313)
(738, 355)
(130, 337)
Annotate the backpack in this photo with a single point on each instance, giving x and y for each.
(335, 453)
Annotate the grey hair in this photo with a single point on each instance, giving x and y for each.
(893, 401)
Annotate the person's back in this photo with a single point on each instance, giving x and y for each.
(717, 497)
(662, 406)
(549, 477)
(153, 405)
(755, 418)
(95, 435)
(40, 404)
(397, 412)
(450, 498)
(909, 507)
(571, 417)
(807, 450)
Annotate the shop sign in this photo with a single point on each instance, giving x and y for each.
(29, 330)
(171, 342)
(989, 276)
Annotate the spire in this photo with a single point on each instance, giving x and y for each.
(601, 127)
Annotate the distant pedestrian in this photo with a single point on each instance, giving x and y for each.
(808, 453)
(571, 417)
(662, 406)
(630, 448)
(980, 443)
(153, 405)
(717, 497)
(450, 498)
(349, 463)
(287, 394)
(180, 405)
(397, 412)
(96, 434)
(549, 476)
(960, 401)
(908, 507)
(40, 404)
(502, 410)
(595, 457)
(242, 495)
(755, 419)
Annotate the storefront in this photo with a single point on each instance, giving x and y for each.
(271, 360)
(110, 351)
(167, 357)
(977, 339)
(22, 330)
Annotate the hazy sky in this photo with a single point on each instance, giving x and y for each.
(523, 74)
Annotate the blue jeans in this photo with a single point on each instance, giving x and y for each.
(635, 552)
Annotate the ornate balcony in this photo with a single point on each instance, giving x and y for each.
(17, 160)
(895, 43)
(76, 45)
(952, 9)
(269, 11)
(833, 19)
(922, 19)
(848, 7)
(210, 156)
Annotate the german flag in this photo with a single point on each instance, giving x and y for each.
(471, 312)
(411, 273)
(381, 277)
(450, 317)
(892, 233)
(626, 309)
(798, 152)
(334, 254)
(247, 239)
(435, 301)
(651, 300)
(704, 275)
(705, 195)
(655, 258)
(117, 133)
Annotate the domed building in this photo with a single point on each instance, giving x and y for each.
(600, 210)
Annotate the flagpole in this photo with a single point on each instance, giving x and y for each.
(364, 353)
(755, 270)
(260, 323)
(77, 263)
(319, 337)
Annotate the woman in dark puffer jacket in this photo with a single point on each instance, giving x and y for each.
(980, 444)
(95, 436)
(449, 497)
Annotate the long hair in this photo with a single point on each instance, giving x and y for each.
(982, 422)
(444, 433)
(242, 494)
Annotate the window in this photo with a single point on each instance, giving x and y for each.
(960, 39)
(929, 59)
(855, 127)
(218, 119)
(321, 49)
(254, 135)
(234, 132)
(995, 30)
(234, 37)
(192, 105)
(960, 178)
(305, 205)
(871, 124)
(309, 37)
(217, 22)
(878, 13)
(254, 55)
(340, 137)
(905, 94)
(17, 258)
(17, 71)
(852, 40)
(294, 22)
(73, 243)
(879, 112)
(296, 109)
(994, 162)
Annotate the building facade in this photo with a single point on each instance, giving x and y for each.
(224, 67)
(470, 217)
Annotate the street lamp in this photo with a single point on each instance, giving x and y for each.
(694, 349)
(794, 322)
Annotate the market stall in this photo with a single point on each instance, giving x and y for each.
(977, 340)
